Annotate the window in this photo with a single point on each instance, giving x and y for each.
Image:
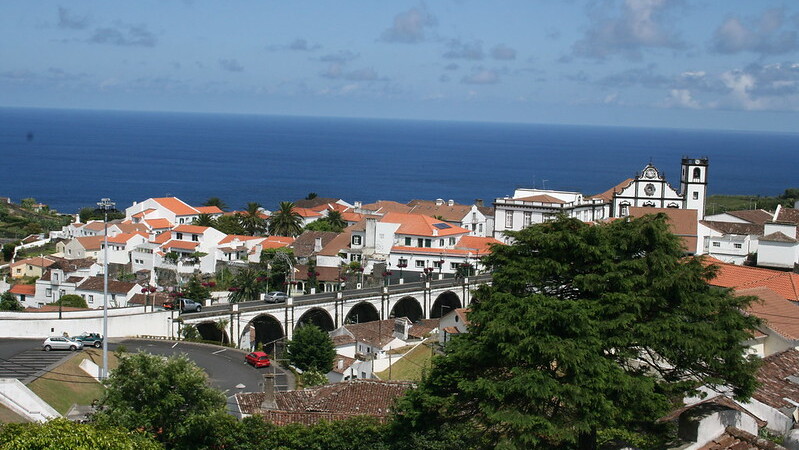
(716, 244)
(48, 292)
(408, 241)
(181, 221)
(437, 264)
(195, 237)
(528, 218)
(480, 228)
(454, 265)
(738, 246)
(452, 241)
(356, 240)
(440, 242)
(403, 262)
(509, 219)
(420, 242)
(420, 264)
(179, 236)
(91, 299)
(697, 173)
(623, 208)
(696, 195)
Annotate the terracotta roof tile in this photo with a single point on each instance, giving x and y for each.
(454, 213)
(23, 289)
(97, 284)
(342, 339)
(194, 229)
(788, 215)
(682, 223)
(774, 386)
(778, 313)
(542, 198)
(386, 206)
(208, 209)
(778, 237)
(185, 245)
(176, 206)
(158, 224)
(608, 195)
(755, 216)
(38, 261)
(341, 363)
(479, 245)
(315, 202)
(421, 225)
(377, 333)
(90, 242)
(304, 244)
(423, 327)
(785, 284)
(305, 212)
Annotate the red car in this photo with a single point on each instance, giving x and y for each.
(258, 359)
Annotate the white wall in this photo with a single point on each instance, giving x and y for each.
(122, 322)
(18, 398)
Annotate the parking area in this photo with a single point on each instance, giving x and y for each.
(27, 360)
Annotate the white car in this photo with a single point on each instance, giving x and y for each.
(61, 343)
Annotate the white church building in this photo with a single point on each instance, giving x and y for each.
(648, 189)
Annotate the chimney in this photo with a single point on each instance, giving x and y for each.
(340, 363)
(317, 245)
(439, 201)
(451, 202)
(478, 202)
(269, 401)
(358, 205)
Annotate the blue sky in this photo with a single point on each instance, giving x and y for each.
(729, 64)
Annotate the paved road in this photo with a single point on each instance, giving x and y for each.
(226, 369)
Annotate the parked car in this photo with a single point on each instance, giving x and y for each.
(258, 359)
(186, 305)
(93, 339)
(276, 297)
(61, 343)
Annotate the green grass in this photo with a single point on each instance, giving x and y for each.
(68, 384)
(411, 366)
(8, 416)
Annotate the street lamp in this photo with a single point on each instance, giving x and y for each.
(106, 205)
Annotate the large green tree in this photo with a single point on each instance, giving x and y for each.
(205, 220)
(586, 329)
(216, 201)
(311, 349)
(65, 434)
(8, 302)
(285, 221)
(71, 300)
(277, 267)
(248, 284)
(164, 397)
(251, 219)
(230, 225)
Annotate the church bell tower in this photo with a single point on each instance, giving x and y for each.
(693, 184)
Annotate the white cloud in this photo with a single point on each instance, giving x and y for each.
(769, 34)
(409, 26)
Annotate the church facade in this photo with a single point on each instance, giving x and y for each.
(649, 188)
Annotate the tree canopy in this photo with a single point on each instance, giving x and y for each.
(311, 349)
(251, 219)
(585, 329)
(8, 302)
(285, 221)
(62, 433)
(216, 201)
(164, 397)
(71, 300)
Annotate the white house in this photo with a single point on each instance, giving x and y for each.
(453, 323)
(476, 218)
(172, 209)
(778, 247)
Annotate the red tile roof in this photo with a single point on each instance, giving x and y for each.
(756, 216)
(479, 245)
(421, 225)
(185, 245)
(90, 242)
(386, 206)
(773, 375)
(158, 224)
(778, 313)
(682, 222)
(208, 209)
(608, 195)
(176, 206)
(788, 215)
(735, 439)
(190, 229)
(37, 261)
(23, 289)
(785, 284)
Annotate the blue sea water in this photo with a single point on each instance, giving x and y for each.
(70, 159)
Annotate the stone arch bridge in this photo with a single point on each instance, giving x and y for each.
(255, 322)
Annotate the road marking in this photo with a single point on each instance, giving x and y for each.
(219, 351)
(174, 345)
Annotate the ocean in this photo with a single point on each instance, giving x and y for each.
(69, 159)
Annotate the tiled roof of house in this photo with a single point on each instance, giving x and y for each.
(208, 209)
(158, 224)
(315, 202)
(38, 261)
(304, 244)
(478, 245)
(774, 385)
(123, 238)
(454, 213)
(341, 363)
(156, 298)
(386, 206)
(756, 216)
(421, 225)
(71, 265)
(720, 400)
(778, 313)
(176, 206)
(785, 284)
(141, 214)
(276, 242)
(342, 339)
(184, 245)
(329, 402)
(377, 333)
(542, 198)
(349, 216)
(237, 237)
(788, 215)
(23, 289)
(194, 229)
(306, 212)
(422, 328)
(127, 227)
(734, 228)
(95, 225)
(90, 242)
(607, 196)
(339, 243)
(463, 314)
(735, 439)
(778, 237)
(682, 223)
(163, 237)
(97, 283)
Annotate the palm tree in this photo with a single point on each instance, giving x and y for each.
(251, 219)
(335, 220)
(285, 221)
(216, 201)
(204, 220)
(247, 285)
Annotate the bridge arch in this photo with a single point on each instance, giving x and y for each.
(445, 302)
(264, 329)
(210, 331)
(407, 307)
(362, 312)
(318, 317)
